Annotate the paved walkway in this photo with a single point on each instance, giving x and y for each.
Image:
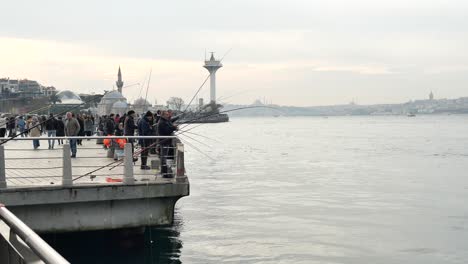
(28, 167)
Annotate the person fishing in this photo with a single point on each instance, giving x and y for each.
(165, 128)
(145, 129)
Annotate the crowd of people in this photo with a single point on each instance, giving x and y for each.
(35, 126)
(160, 123)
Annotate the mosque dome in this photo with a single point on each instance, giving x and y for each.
(119, 105)
(141, 102)
(69, 97)
(113, 95)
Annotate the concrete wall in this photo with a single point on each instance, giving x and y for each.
(96, 207)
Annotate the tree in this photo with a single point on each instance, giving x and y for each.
(54, 98)
(175, 103)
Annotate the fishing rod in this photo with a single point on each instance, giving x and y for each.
(42, 122)
(196, 140)
(198, 150)
(141, 87)
(203, 136)
(201, 86)
(147, 88)
(226, 111)
(136, 153)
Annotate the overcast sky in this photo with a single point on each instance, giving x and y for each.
(295, 52)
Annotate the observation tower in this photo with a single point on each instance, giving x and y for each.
(212, 66)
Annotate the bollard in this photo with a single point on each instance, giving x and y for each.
(3, 183)
(67, 166)
(128, 165)
(180, 166)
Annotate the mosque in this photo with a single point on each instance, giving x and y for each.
(113, 101)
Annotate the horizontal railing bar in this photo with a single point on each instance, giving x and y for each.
(33, 168)
(33, 158)
(45, 252)
(34, 177)
(97, 137)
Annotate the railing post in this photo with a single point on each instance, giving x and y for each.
(180, 166)
(3, 183)
(67, 166)
(128, 164)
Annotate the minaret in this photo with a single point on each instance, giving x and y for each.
(119, 81)
(431, 96)
(212, 66)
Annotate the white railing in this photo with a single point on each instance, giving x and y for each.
(36, 244)
(173, 160)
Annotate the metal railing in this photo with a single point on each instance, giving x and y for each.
(35, 243)
(169, 161)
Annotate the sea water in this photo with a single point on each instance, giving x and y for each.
(360, 189)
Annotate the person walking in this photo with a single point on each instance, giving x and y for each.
(21, 126)
(3, 125)
(11, 126)
(51, 128)
(88, 126)
(34, 128)
(60, 126)
(72, 128)
(144, 129)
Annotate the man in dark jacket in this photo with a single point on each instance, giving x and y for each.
(60, 132)
(129, 128)
(51, 128)
(109, 126)
(12, 126)
(145, 129)
(165, 128)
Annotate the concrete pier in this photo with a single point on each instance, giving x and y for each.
(48, 201)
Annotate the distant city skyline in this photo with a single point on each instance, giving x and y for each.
(302, 53)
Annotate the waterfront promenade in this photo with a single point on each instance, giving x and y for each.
(27, 167)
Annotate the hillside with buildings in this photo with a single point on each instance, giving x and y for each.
(429, 106)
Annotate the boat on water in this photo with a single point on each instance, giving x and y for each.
(411, 115)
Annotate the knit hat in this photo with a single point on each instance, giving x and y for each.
(131, 112)
(149, 113)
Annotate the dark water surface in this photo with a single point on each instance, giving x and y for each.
(309, 190)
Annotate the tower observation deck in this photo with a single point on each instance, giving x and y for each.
(212, 66)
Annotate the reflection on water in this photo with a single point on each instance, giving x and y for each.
(139, 245)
